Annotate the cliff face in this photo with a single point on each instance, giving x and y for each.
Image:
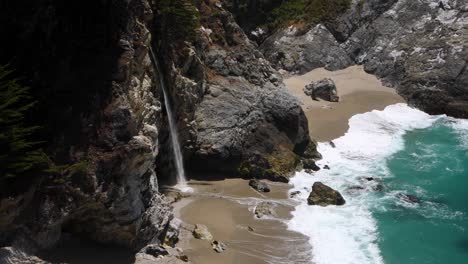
(100, 100)
(89, 67)
(418, 46)
(233, 108)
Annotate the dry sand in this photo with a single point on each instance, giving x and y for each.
(359, 92)
(226, 206)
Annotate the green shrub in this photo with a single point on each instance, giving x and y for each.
(19, 150)
(307, 12)
(181, 19)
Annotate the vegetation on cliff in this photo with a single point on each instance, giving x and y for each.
(181, 18)
(307, 11)
(19, 150)
(276, 14)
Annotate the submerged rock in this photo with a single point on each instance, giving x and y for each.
(294, 194)
(218, 246)
(409, 198)
(326, 167)
(324, 89)
(309, 164)
(259, 185)
(323, 195)
(201, 232)
(264, 209)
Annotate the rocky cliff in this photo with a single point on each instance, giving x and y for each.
(89, 67)
(99, 100)
(418, 46)
(235, 115)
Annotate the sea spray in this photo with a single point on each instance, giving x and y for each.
(178, 158)
(349, 233)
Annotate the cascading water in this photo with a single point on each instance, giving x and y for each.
(179, 162)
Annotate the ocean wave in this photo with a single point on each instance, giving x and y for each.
(348, 234)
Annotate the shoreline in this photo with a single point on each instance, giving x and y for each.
(229, 216)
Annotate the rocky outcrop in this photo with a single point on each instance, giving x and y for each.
(418, 46)
(241, 119)
(324, 89)
(298, 52)
(323, 195)
(10, 255)
(259, 185)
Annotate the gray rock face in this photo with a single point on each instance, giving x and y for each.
(299, 53)
(259, 185)
(242, 113)
(418, 46)
(323, 195)
(324, 89)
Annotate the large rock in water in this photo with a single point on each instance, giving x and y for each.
(323, 195)
(324, 89)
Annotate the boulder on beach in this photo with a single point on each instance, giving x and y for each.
(264, 209)
(324, 89)
(218, 246)
(201, 232)
(258, 185)
(324, 195)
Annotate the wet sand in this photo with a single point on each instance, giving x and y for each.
(359, 92)
(226, 206)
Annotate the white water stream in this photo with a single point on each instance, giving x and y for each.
(178, 158)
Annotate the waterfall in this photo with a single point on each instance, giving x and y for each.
(179, 162)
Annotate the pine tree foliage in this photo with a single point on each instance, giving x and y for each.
(181, 17)
(19, 152)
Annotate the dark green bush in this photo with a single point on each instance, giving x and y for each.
(181, 19)
(19, 150)
(307, 12)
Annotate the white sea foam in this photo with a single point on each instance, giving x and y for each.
(461, 128)
(348, 234)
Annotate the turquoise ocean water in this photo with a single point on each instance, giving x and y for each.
(432, 166)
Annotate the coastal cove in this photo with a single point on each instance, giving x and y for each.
(229, 215)
(370, 228)
(234, 131)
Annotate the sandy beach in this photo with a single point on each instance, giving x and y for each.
(227, 206)
(359, 92)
